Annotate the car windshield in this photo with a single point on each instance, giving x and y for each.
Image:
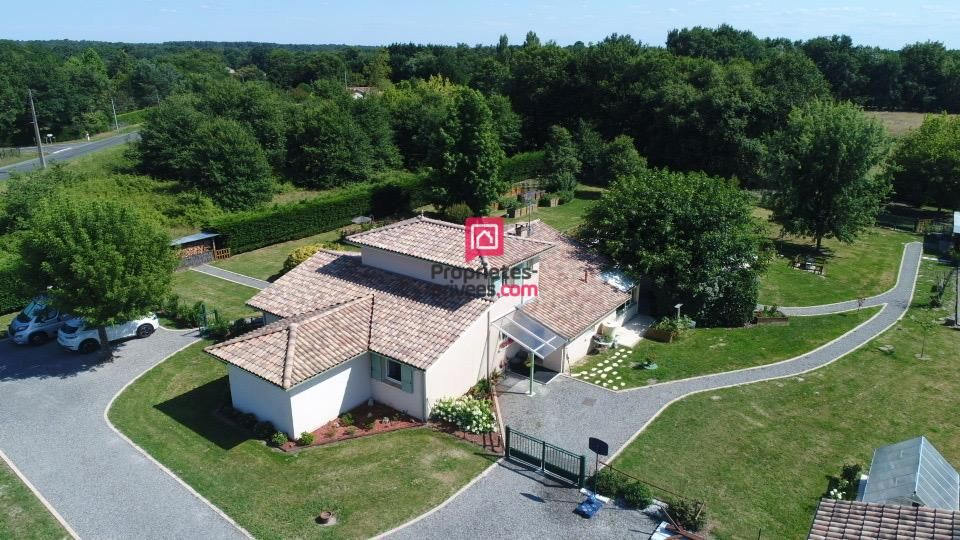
(72, 326)
(31, 311)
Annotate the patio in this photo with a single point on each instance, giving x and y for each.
(632, 331)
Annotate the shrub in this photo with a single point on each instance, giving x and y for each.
(636, 495)
(330, 433)
(245, 231)
(303, 253)
(510, 203)
(609, 482)
(10, 287)
(689, 515)
(675, 325)
(306, 439)
(263, 429)
(346, 419)
(218, 329)
(457, 213)
(248, 420)
(370, 425)
(565, 196)
(278, 439)
(469, 414)
(351, 430)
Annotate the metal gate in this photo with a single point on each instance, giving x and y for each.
(545, 457)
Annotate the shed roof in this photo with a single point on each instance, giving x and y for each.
(196, 237)
(913, 471)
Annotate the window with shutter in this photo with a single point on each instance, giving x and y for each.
(376, 367)
(406, 378)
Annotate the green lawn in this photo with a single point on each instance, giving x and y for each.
(22, 516)
(867, 267)
(564, 218)
(372, 484)
(713, 350)
(266, 263)
(760, 455)
(226, 297)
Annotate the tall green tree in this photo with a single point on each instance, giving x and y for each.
(468, 167)
(621, 159)
(229, 166)
(925, 164)
(98, 260)
(822, 166)
(326, 148)
(694, 235)
(562, 163)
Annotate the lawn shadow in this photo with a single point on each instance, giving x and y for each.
(790, 250)
(197, 408)
(49, 361)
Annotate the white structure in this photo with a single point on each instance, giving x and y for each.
(912, 472)
(408, 321)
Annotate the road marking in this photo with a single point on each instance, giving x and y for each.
(61, 150)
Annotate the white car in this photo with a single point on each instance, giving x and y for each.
(77, 336)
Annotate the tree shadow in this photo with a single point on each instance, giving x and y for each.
(20, 362)
(790, 250)
(197, 410)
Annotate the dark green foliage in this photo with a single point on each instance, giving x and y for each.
(264, 429)
(346, 419)
(823, 174)
(523, 166)
(590, 151)
(637, 495)
(925, 164)
(457, 213)
(562, 164)
(25, 192)
(390, 199)
(693, 234)
(327, 148)
(250, 230)
(306, 439)
(690, 515)
(13, 292)
(164, 149)
(620, 159)
(229, 166)
(278, 439)
(505, 121)
(609, 482)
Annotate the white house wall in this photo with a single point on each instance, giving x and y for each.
(321, 399)
(266, 400)
(407, 402)
(415, 268)
(462, 365)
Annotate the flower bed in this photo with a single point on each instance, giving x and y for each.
(361, 421)
(770, 315)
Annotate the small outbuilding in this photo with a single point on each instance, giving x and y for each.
(196, 249)
(912, 472)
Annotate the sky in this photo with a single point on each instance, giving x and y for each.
(885, 23)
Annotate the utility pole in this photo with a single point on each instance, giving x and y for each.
(36, 130)
(116, 124)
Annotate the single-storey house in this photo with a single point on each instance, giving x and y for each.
(858, 520)
(408, 321)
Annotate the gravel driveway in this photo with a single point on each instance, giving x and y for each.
(52, 405)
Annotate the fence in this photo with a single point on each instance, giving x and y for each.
(545, 457)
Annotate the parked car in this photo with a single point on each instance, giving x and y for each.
(37, 323)
(77, 336)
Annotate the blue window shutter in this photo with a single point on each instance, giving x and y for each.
(406, 378)
(376, 367)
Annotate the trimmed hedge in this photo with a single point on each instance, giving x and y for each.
(246, 231)
(523, 166)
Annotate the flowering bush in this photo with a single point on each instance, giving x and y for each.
(470, 414)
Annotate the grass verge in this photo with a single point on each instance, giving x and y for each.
(714, 350)
(371, 483)
(760, 454)
(226, 297)
(22, 516)
(266, 263)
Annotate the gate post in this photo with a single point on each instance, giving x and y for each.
(543, 455)
(507, 429)
(583, 471)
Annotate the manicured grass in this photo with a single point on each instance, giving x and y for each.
(22, 516)
(760, 454)
(713, 350)
(372, 484)
(564, 218)
(266, 263)
(226, 297)
(865, 268)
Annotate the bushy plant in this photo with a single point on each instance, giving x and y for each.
(690, 515)
(675, 325)
(306, 439)
(609, 482)
(370, 425)
(278, 439)
(346, 419)
(218, 329)
(510, 203)
(469, 414)
(636, 495)
(263, 429)
(303, 253)
(351, 430)
(457, 213)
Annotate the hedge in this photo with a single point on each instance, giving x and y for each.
(523, 166)
(10, 298)
(246, 231)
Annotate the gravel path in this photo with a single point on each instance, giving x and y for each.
(216, 272)
(52, 405)
(567, 411)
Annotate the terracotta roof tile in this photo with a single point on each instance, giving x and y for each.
(856, 520)
(443, 242)
(567, 301)
(413, 321)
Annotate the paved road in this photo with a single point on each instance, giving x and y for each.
(68, 152)
(567, 411)
(216, 272)
(52, 404)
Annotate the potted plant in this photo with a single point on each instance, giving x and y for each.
(669, 328)
(550, 200)
(513, 207)
(770, 315)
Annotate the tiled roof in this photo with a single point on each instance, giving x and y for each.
(570, 301)
(443, 242)
(413, 321)
(293, 350)
(855, 520)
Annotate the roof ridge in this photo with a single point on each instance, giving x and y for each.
(394, 225)
(290, 355)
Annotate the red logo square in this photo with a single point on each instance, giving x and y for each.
(483, 236)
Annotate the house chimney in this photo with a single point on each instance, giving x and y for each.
(586, 273)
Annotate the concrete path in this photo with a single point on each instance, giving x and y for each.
(567, 411)
(67, 152)
(52, 409)
(913, 250)
(241, 279)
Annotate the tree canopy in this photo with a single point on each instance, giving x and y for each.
(925, 164)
